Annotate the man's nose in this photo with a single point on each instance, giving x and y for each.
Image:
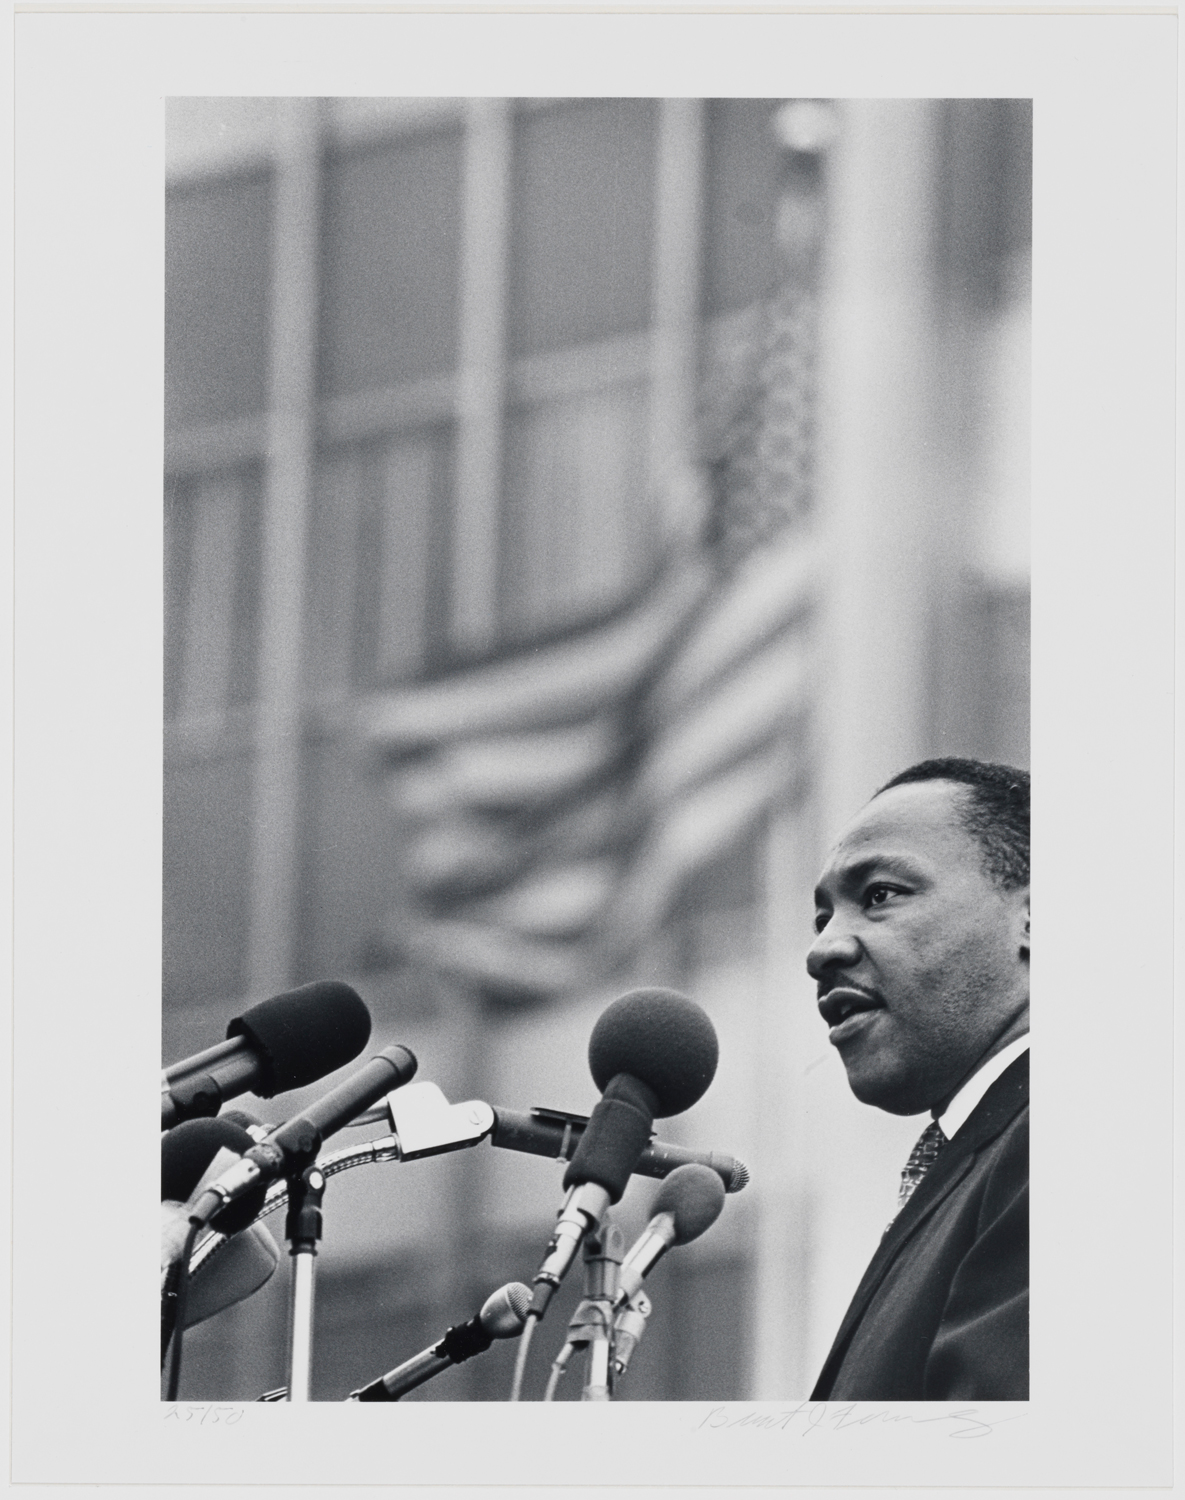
(834, 948)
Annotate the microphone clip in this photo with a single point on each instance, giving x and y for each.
(428, 1125)
(582, 1211)
(628, 1328)
(303, 1224)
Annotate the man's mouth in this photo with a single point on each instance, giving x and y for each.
(843, 1001)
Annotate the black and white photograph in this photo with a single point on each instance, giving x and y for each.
(562, 571)
(547, 483)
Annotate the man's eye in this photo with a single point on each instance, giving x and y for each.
(877, 895)
(821, 920)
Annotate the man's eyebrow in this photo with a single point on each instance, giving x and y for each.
(854, 875)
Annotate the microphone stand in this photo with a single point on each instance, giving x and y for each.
(303, 1230)
(602, 1261)
(591, 1326)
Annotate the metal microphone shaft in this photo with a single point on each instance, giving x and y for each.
(550, 1132)
(501, 1317)
(294, 1145)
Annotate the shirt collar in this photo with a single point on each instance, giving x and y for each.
(958, 1111)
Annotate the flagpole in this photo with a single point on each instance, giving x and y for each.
(774, 487)
(875, 477)
(477, 497)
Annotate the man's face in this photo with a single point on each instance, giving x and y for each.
(920, 959)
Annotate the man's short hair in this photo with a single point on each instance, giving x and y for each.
(995, 811)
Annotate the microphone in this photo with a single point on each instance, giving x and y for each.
(254, 1127)
(280, 1044)
(553, 1133)
(294, 1145)
(426, 1124)
(501, 1317)
(185, 1154)
(689, 1201)
(652, 1053)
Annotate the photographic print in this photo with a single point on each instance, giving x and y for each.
(575, 510)
(547, 546)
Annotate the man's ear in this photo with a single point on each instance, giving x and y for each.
(1024, 942)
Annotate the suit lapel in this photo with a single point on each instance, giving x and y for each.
(995, 1111)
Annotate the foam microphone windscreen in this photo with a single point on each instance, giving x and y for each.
(617, 1133)
(694, 1196)
(185, 1154)
(660, 1037)
(304, 1034)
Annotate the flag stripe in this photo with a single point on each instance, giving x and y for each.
(561, 900)
(771, 590)
(507, 771)
(687, 834)
(543, 686)
(495, 958)
(743, 711)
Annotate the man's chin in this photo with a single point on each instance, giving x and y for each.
(886, 1090)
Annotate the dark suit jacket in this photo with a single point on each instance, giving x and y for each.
(942, 1313)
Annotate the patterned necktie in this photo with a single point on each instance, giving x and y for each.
(921, 1159)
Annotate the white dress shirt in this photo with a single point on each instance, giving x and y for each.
(958, 1111)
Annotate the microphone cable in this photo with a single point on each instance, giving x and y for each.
(182, 1294)
(186, 1153)
(558, 1366)
(168, 1310)
(524, 1344)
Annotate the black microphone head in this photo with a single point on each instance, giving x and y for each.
(694, 1197)
(188, 1149)
(186, 1152)
(661, 1038)
(254, 1127)
(304, 1034)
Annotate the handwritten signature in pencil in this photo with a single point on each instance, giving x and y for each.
(816, 1416)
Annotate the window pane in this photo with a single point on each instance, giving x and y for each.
(333, 560)
(349, 871)
(207, 838)
(216, 318)
(392, 231)
(212, 561)
(401, 555)
(739, 264)
(579, 527)
(582, 222)
(178, 538)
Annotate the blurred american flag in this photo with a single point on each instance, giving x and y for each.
(554, 799)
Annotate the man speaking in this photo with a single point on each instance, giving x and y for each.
(922, 966)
